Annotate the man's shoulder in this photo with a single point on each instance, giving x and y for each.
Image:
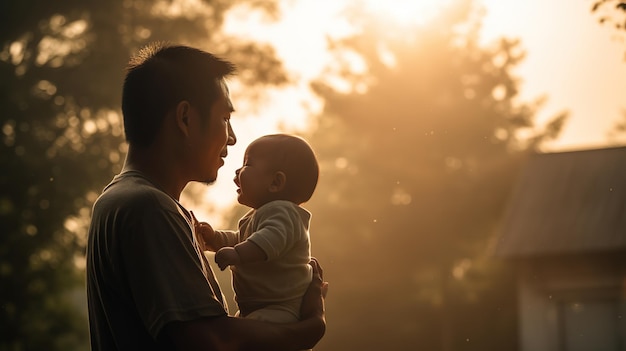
(132, 191)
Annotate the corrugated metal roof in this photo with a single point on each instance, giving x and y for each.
(567, 202)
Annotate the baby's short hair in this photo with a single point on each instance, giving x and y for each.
(295, 157)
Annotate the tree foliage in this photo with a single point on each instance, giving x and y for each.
(612, 12)
(61, 68)
(418, 160)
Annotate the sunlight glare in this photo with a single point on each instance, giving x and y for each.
(405, 12)
(386, 56)
(180, 8)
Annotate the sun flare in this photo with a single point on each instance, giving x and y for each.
(405, 12)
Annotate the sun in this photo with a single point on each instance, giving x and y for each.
(405, 12)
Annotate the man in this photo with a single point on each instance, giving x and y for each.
(149, 285)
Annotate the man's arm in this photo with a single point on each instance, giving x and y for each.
(229, 333)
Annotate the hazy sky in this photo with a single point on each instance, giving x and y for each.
(577, 62)
(570, 58)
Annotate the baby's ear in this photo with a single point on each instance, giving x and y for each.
(278, 182)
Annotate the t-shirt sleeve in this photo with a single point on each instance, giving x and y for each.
(167, 276)
(277, 230)
(226, 238)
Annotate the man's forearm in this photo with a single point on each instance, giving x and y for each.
(230, 333)
(285, 337)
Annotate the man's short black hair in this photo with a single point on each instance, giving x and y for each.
(158, 77)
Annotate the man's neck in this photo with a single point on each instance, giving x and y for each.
(157, 167)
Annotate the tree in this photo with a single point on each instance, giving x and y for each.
(612, 12)
(418, 160)
(61, 68)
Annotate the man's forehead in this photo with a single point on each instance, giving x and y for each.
(226, 94)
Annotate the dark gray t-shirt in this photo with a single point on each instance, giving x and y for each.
(144, 267)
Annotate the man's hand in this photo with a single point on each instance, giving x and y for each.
(204, 233)
(313, 300)
(227, 256)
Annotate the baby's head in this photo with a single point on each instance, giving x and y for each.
(277, 167)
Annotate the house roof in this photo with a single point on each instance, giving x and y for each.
(567, 203)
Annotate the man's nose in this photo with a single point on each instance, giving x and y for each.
(232, 138)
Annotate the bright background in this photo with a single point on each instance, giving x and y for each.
(571, 60)
(420, 152)
(411, 192)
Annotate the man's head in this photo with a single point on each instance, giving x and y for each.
(159, 77)
(176, 97)
(277, 167)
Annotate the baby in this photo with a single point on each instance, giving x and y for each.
(269, 255)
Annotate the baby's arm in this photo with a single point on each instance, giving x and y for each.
(204, 234)
(244, 252)
(210, 239)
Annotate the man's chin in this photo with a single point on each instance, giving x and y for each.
(207, 178)
(207, 182)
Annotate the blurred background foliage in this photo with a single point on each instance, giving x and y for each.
(61, 68)
(418, 157)
(610, 12)
(418, 162)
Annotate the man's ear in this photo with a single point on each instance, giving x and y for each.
(182, 116)
(278, 182)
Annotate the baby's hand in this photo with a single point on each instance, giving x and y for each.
(204, 233)
(226, 256)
